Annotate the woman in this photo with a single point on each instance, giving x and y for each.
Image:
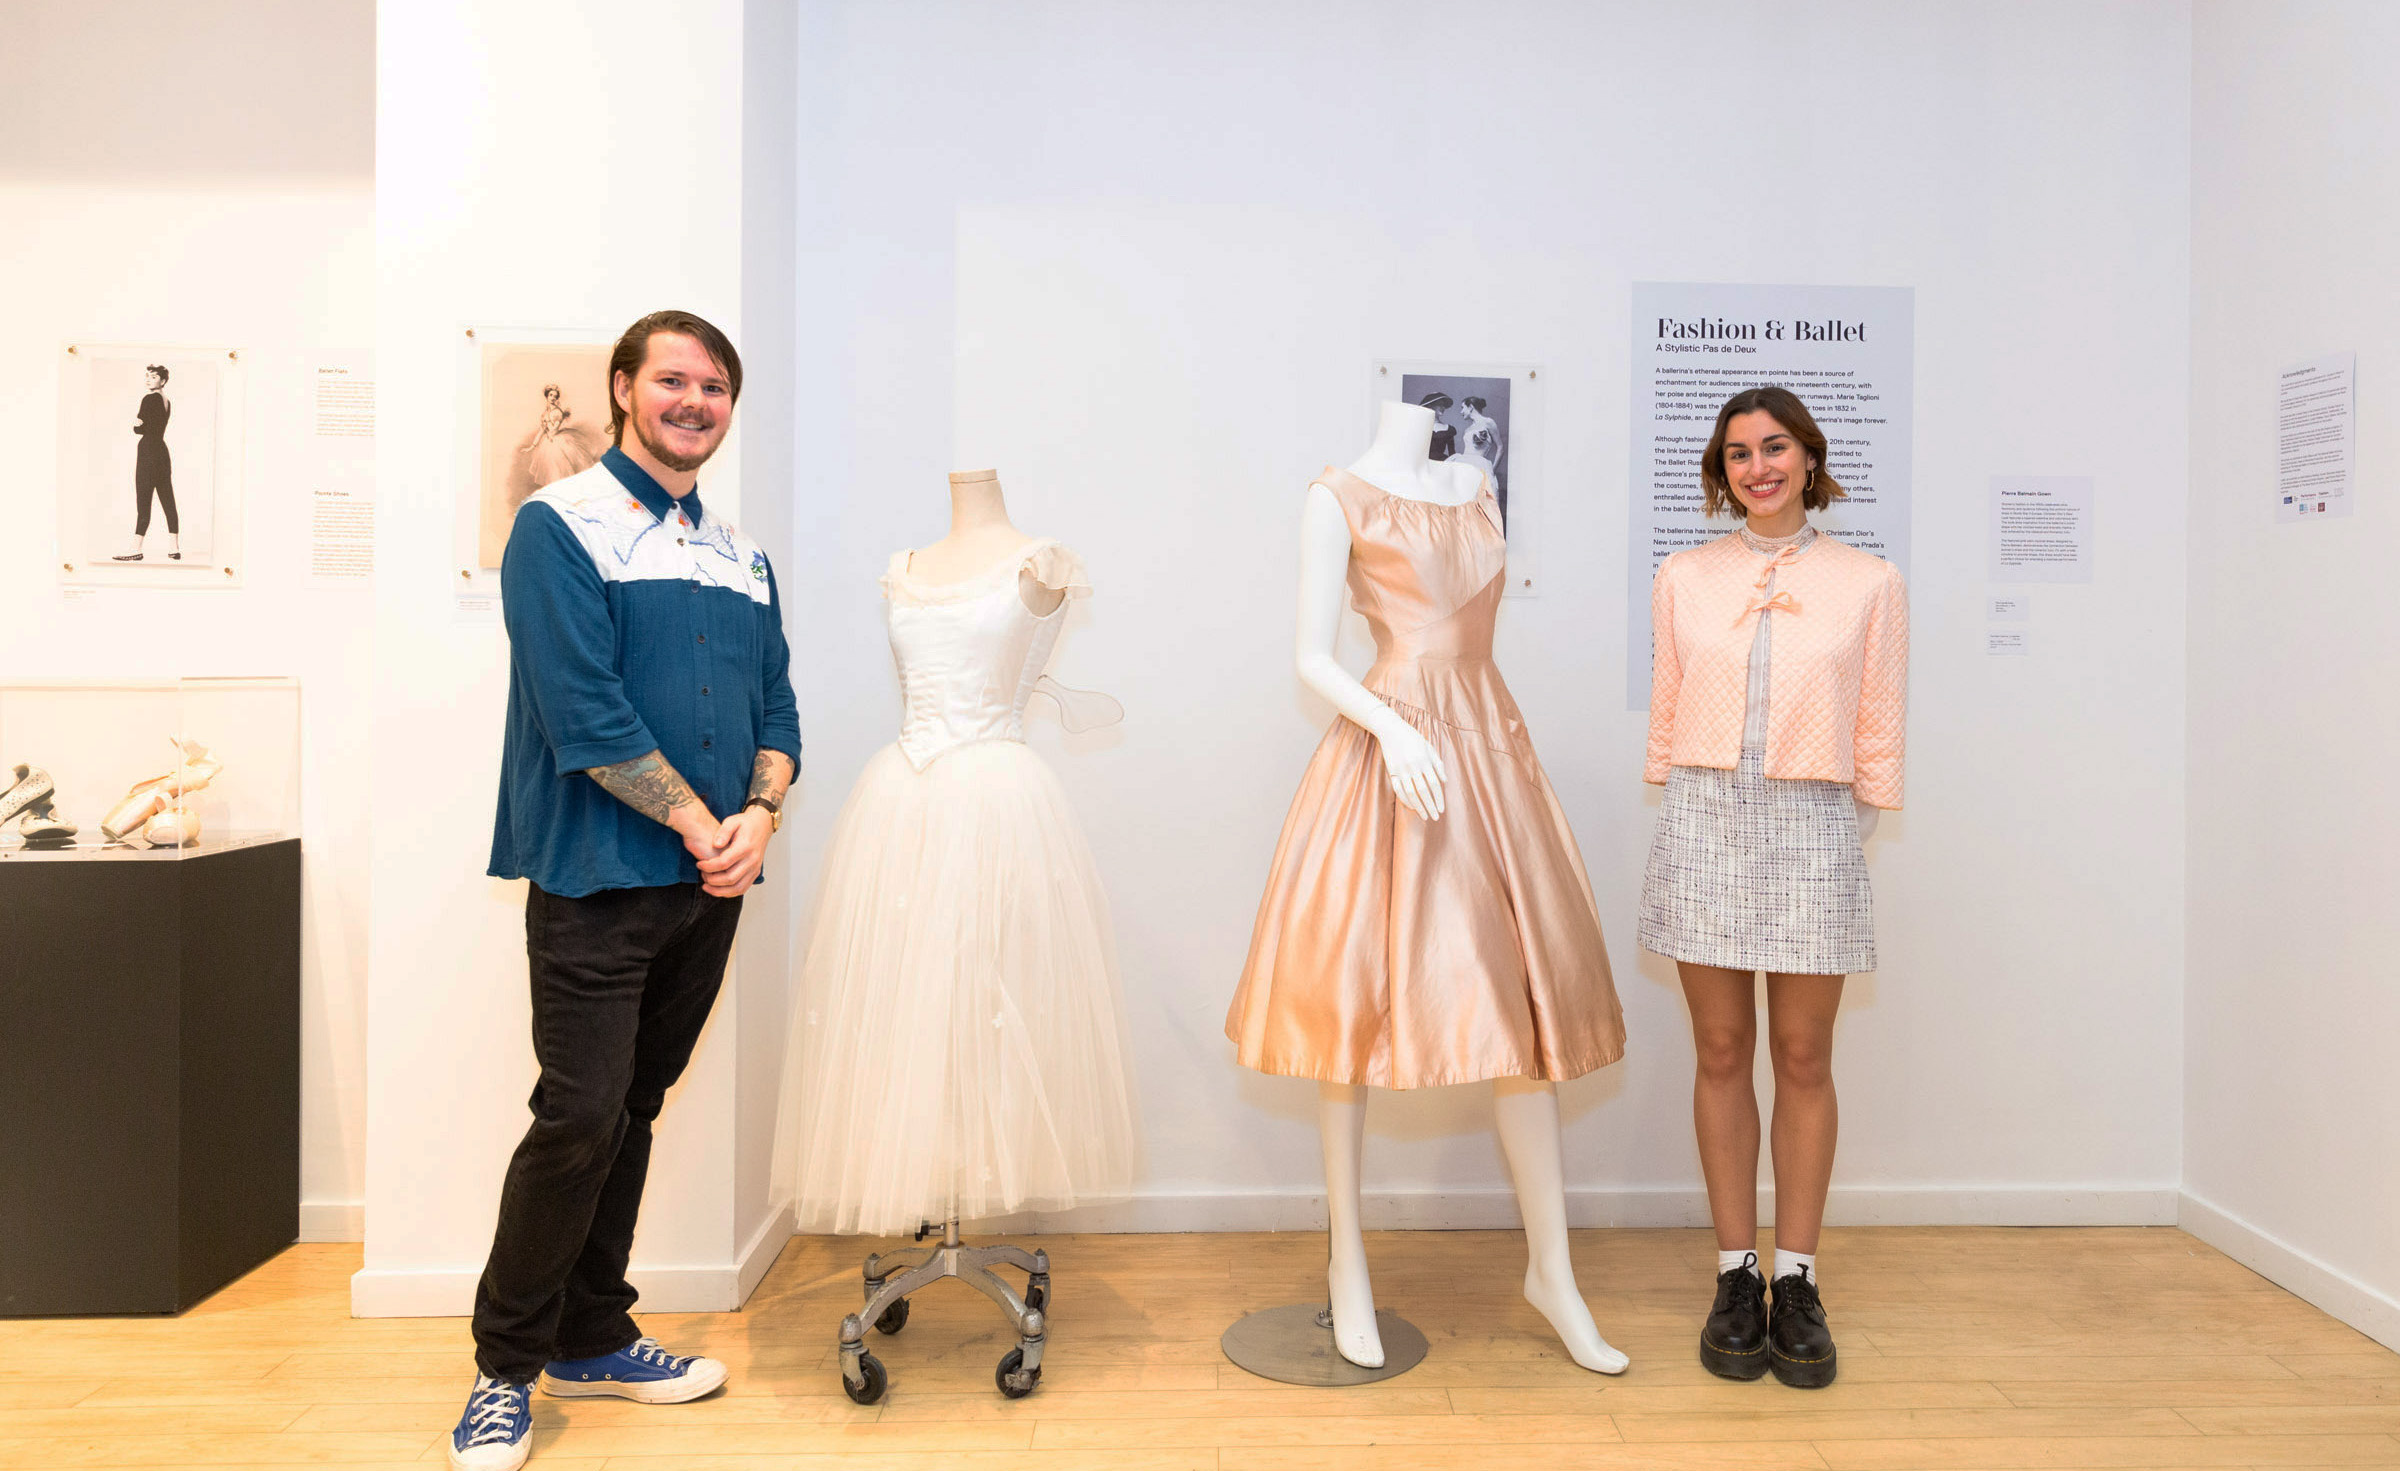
(153, 468)
(557, 448)
(1480, 442)
(1778, 701)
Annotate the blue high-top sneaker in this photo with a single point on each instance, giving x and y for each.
(640, 1371)
(496, 1432)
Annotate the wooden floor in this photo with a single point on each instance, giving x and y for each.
(1961, 1348)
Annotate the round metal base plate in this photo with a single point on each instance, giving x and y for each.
(1294, 1345)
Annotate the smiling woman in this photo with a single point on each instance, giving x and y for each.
(1771, 770)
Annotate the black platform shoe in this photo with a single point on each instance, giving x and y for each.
(1799, 1345)
(1733, 1343)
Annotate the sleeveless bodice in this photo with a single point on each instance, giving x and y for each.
(969, 653)
(1428, 577)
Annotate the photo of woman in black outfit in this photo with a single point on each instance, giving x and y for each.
(153, 467)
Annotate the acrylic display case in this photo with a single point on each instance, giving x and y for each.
(224, 751)
(150, 1063)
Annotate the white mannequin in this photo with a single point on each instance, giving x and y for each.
(981, 536)
(1524, 1111)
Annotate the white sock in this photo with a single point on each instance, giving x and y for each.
(1792, 1263)
(1729, 1260)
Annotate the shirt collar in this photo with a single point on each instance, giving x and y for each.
(649, 492)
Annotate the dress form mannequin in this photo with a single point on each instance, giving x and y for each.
(980, 535)
(1525, 1111)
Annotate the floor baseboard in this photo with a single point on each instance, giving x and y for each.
(2371, 1312)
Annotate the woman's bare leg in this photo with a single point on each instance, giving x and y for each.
(1800, 1015)
(1724, 1006)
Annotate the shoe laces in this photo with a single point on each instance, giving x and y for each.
(1797, 1292)
(647, 1351)
(493, 1410)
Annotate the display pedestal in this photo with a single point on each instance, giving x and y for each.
(1294, 1345)
(149, 1076)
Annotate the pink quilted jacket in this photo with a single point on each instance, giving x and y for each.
(1837, 695)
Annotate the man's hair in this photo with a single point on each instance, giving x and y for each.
(160, 369)
(633, 349)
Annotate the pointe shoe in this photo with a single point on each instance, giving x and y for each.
(24, 787)
(174, 548)
(148, 799)
(176, 827)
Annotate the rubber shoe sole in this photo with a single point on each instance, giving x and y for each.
(706, 1377)
(1725, 1363)
(1804, 1373)
(490, 1457)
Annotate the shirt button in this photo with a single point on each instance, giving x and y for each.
(679, 541)
(708, 745)
(704, 689)
(704, 638)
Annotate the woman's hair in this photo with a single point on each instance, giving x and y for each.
(160, 369)
(549, 390)
(1785, 408)
(1476, 404)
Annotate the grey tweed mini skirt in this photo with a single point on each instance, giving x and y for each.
(1750, 872)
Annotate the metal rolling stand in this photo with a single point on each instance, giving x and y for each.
(891, 1277)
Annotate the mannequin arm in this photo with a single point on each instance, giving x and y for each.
(1408, 758)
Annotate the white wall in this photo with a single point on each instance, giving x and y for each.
(163, 184)
(1142, 258)
(2291, 1101)
(533, 170)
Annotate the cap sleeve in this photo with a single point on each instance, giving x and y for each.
(1056, 568)
(892, 571)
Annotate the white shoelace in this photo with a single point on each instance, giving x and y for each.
(647, 1351)
(492, 1409)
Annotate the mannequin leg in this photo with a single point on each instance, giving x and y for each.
(1800, 1015)
(1342, 1124)
(1724, 1006)
(1525, 1113)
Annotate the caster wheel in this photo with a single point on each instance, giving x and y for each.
(871, 1368)
(1015, 1381)
(1037, 1295)
(894, 1318)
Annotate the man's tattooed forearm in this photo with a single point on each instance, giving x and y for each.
(770, 775)
(647, 784)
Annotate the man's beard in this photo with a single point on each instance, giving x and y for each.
(680, 464)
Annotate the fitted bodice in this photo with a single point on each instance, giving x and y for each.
(970, 653)
(1427, 577)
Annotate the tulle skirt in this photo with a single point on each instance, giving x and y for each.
(570, 451)
(958, 1037)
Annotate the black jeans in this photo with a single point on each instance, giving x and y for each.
(623, 981)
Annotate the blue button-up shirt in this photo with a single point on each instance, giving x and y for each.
(636, 623)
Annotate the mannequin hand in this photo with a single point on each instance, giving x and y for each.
(1409, 763)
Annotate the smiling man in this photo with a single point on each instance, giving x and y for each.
(651, 736)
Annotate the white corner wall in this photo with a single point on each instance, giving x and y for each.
(546, 170)
(1142, 260)
(2292, 1099)
(165, 180)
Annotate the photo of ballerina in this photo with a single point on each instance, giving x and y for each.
(1470, 421)
(141, 487)
(544, 416)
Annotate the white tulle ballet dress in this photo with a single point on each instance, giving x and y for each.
(958, 1037)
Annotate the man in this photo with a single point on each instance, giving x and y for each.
(651, 736)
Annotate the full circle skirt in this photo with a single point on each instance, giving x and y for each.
(958, 1035)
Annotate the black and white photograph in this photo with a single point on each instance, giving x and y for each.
(1470, 421)
(543, 416)
(143, 496)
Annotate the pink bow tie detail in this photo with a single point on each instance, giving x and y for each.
(1782, 602)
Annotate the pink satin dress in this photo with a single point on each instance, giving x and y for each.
(1403, 953)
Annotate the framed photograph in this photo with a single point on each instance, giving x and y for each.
(535, 405)
(1487, 414)
(149, 466)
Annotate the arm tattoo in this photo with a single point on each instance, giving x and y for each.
(647, 784)
(771, 775)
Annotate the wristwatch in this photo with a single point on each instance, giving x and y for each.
(774, 811)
